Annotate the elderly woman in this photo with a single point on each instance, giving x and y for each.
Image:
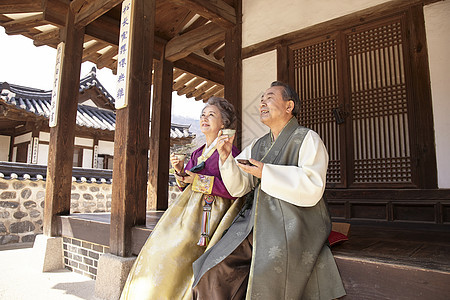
(193, 223)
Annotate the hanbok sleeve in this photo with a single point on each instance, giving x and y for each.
(219, 188)
(237, 182)
(194, 155)
(301, 185)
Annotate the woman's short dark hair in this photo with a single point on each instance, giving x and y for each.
(289, 94)
(226, 110)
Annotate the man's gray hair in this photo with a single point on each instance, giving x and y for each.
(289, 94)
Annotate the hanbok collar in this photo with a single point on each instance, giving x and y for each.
(276, 145)
(206, 150)
(206, 153)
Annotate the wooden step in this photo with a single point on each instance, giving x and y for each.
(387, 263)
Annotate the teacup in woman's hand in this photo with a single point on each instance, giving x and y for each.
(228, 132)
(180, 156)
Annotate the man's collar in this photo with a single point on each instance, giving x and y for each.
(271, 133)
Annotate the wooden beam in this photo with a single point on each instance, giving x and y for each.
(217, 11)
(198, 92)
(21, 6)
(177, 73)
(92, 49)
(107, 29)
(191, 87)
(24, 24)
(87, 11)
(158, 173)
(60, 156)
(212, 48)
(423, 148)
(233, 70)
(180, 82)
(131, 142)
(103, 28)
(183, 45)
(202, 67)
(362, 16)
(106, 58)
(282, 64)
(49, 37)
(209, 93)
(219, 54)
(200, 21)
(182, 23)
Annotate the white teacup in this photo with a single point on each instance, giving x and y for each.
(228, 132)
(180, 156)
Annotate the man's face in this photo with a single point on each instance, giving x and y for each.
(273, 109)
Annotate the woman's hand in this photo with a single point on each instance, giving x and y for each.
(177, 164)
(224, 146)
(190, 177)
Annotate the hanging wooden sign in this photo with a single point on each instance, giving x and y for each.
(95, 163)
(123, 57)
(35, 150)
(53, 120)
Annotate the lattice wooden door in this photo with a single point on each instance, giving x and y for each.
(379, 105)
(315, 68)
(353, 88)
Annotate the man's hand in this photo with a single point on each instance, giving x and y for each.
(224, 146)
(255, 170)
(189, 178)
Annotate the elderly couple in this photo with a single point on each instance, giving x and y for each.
(247, 226)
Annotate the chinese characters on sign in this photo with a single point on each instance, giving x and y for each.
(35, 150)
(55, 91)
(95, 164)
(122, 60)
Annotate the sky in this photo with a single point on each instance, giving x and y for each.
(24, 64)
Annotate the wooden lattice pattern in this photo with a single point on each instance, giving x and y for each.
(381, 151)
(315, 72)
(378, 148)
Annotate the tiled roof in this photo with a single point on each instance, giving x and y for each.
(38, 102)
(34, 172)
(91, 81)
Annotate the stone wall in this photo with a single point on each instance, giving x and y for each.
(90, 197)
(21, 210)
(22, 205)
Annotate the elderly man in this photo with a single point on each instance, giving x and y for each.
(277, 247)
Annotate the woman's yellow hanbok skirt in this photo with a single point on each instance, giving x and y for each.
(163, 269)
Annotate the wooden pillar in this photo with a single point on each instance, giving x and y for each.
(60, 155)
(160, 135)
(129, 187)
(233, 68)
(423, 150)
(11, 145)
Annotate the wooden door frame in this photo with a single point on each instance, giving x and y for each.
(420, 112)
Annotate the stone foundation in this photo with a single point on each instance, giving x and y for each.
(82, 257)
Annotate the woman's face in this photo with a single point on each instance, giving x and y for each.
(211, 120)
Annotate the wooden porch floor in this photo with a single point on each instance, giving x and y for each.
(375, 263)
(419, 248)
(416, 247)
